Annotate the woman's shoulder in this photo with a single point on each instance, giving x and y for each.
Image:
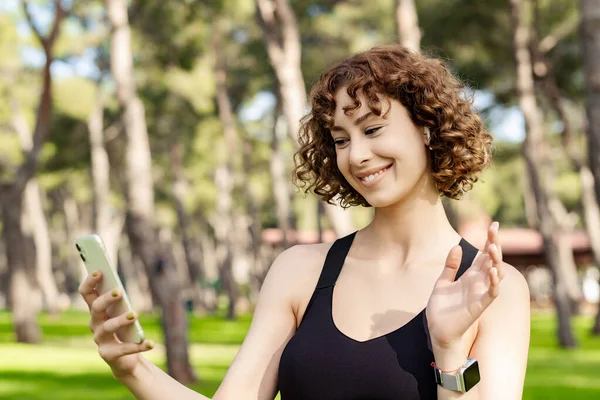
(296, 271)
(300, 262)
(512, 300)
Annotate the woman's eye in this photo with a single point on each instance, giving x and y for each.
(372, 130)
(339, 142)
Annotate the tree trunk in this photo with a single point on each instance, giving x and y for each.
(4, 277)
(258, 271)
(591, 213)
(282, 41)
(210, 263)
(590, 43)
(23, 287)
(174, 319)
(37, 228)
(140, 196)
(408, 24)
(191, 249)
(225, 177)
(35, 220)
(134, 276)
(534, 143)
(107, 222)
(566, 223)
(281, 189)
(73, 229)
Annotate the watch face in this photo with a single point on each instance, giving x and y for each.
(471, 376)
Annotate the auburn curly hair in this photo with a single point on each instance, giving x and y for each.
(433, 97)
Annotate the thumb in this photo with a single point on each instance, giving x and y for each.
(452, 264)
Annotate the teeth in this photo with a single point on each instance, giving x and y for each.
(373, 176)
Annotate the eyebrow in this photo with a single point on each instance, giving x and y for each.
(358, 121)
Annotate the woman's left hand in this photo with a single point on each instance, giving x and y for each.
(455, 305)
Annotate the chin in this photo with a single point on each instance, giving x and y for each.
(384, 199)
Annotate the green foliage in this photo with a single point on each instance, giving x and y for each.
(74, 97)
(568, 189)
(8, 43)
(179, 36)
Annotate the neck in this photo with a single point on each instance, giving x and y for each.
(413, 230)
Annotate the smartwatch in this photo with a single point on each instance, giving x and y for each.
(460, 381)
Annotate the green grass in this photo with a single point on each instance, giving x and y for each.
(66, 366)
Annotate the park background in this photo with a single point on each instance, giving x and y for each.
(169, 127)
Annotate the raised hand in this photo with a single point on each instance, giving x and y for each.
(121, 357)
(455, 305)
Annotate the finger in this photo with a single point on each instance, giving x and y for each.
(99, 306)
(87, 289)
(111, 351)
(497, 261)
(494, 289)
(451, 267)
(106, 331)
(492, 235)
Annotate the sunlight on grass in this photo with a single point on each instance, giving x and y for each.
(66, 365)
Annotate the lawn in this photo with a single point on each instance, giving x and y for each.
(66, 365)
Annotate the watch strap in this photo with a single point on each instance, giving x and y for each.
(450, 381)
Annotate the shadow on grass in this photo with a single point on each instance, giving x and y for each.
(18, 385)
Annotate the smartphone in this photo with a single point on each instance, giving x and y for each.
(95, 257)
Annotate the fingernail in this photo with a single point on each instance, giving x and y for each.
(493, 247)
(130, 316)
(495, 271)
(149, 345)
(496, 225)
(115, 293)
(95, 273)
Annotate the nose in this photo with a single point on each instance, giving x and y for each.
(360, 152)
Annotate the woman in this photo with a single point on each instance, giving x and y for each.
(414, 305)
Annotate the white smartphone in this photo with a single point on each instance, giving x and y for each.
(95, 257)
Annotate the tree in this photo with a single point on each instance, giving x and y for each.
(408, 24)
(11, 193)
(533, 149)
(282, 41)
(225, 175)
(34, 222)
(140, 198)
(590, 43)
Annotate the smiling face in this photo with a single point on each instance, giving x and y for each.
(384, 159)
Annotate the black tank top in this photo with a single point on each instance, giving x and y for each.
(320, 362)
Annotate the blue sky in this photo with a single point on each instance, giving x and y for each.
(506, 123)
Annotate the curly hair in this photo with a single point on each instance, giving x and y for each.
(433, 97)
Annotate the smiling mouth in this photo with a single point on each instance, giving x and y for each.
(367, 180)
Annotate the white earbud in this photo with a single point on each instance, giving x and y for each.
(428, 134)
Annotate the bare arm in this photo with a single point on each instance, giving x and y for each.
(501, 344)
(503, 341)
(152, 383)
(253, 373)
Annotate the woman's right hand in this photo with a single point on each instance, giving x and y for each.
(122, 358)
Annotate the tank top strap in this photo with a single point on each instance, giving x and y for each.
(468, 255)
(334, 261)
